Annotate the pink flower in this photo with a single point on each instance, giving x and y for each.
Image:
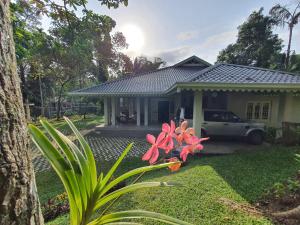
(194, 143)
(153, 153)
(168, 144)
(184, 133)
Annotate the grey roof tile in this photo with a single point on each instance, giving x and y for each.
(162, 80)
(237, 74)
(157, 81)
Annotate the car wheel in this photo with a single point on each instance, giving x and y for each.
(256, 138)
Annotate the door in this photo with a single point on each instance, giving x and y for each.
(163, 111)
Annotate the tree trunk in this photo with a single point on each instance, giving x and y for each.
(42, 97)
(287, 59)
(19, 203)
(290, 214)
(58, 110)
(24, 89)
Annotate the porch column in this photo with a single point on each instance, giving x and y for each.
(197, 112)
(113, 111)
(138, 111)
(106, 119)
(146, 111)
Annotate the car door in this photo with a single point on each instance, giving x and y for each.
(232, 125)
(213, 124)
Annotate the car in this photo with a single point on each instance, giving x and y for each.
(226, 123)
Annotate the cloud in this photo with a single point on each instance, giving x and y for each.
(174, 55)
(213, 44)
(188, 35)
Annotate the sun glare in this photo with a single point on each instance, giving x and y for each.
(134, 37)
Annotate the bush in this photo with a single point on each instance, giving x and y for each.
(271, 135)
(55, 207)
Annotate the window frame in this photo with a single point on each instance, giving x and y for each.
(261, 103)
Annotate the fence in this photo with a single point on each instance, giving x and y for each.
(69, 110)
(290, 133)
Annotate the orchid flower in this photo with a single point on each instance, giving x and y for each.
(169, 131)
(184, 133)
(176, 166)
(152, 154)
(194, 143)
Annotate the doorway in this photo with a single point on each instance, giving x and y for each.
(163, 111)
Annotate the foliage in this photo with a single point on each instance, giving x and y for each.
(271, 134)
(143, 64)
(87, 192)
(256, 44)
(282, 15)
(55, 207)
(294, 63)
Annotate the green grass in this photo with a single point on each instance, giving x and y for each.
(81, 123)
(242, 177)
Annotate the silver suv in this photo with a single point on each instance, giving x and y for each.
(226, 123)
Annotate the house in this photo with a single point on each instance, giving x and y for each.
(257, 94)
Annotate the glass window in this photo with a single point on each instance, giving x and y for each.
(258, 110)
(265, 111)
(212, 116)
(249, 110)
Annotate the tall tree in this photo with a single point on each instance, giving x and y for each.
(24, 19)
(18, 200)
(19, 203)
(284, 16)
(256, 44)
(143, 64)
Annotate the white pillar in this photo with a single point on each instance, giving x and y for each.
(113, 111)
(138, 111)
(146, 111)
(106, 119)
(197, 112)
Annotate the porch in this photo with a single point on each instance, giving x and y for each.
(145, 114)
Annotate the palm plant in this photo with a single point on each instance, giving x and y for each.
(87, 192)
(283, 16)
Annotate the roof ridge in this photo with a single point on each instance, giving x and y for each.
(201, 72)
(259, 68)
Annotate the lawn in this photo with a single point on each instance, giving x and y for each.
(80, 122)
(243, 178)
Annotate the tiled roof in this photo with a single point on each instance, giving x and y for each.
(237, 74)
(162, 81)
(155, 82)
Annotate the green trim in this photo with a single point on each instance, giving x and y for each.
(237, 87)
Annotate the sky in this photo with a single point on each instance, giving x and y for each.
(177, 29)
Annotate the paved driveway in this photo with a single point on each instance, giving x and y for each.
(104, 148)
(108, 148)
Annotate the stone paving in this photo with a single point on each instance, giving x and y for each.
(104, 148)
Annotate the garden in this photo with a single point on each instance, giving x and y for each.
(231, 189)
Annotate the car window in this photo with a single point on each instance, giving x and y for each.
(215, 116)
(231, 117)
(220, 116)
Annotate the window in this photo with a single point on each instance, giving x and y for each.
(258, 110)
(249, 111)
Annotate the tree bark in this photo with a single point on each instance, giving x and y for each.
(19, 203)
(24, 89)
(58, 110)
(287, 59)
(42, 97)
(290, 214)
